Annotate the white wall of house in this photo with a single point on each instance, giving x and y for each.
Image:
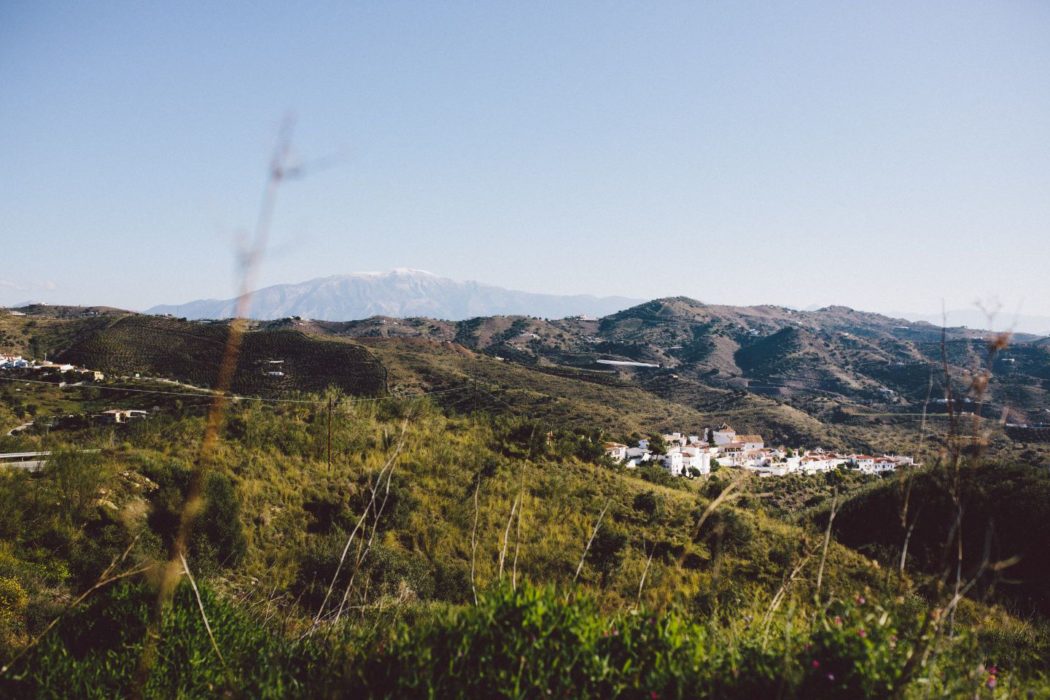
(699, 458)
(639, 453)
(673, 462)
(724, 437)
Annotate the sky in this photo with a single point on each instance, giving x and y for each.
(890, 156)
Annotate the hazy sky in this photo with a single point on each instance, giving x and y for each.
(885, 156)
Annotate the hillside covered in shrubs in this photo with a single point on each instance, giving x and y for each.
(458, 556)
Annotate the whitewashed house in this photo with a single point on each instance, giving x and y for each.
(865, 463)
(731, 455)
(676, 440)
(750, 442)
(883, 465)
(673, 461)
(723, 435)
(639, 454)
(770, 468)
(820, 461)
(696, 457)
(616, 451)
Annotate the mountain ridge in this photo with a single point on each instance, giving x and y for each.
(400, 293)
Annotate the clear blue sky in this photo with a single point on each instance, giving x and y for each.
(882, 155)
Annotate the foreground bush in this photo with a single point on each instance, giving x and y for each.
(531, 643)
(526, 643)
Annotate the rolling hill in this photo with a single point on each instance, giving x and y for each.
(831, 377)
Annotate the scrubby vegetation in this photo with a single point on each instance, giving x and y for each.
(492, 555)
(528, 642)
(476, 542)
(191, 352)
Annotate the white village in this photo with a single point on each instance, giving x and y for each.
(696, 455)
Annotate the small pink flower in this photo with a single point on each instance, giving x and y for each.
(815, 664)
(831, 677)
(861, 600)
(653, 695)
(991, 683)
(838, 620)
(993, 670)
(862, 633)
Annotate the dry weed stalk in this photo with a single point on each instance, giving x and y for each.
(200, 606)
(474, 542)
(907, 539)
(941, 612)
(645, 571)
(386, 468)
(729, 493)
(778, 598)
(907, 480)
(824, 551)
(375, 524)
(248, 263)
(517, 533)
(590, 541)
(506, 536)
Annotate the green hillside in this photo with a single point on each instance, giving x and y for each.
(434, 499)
(1006, 514)
(707, 595)
(191, 353)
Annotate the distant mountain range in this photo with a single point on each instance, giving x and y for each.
(975, 318)
(400, 293)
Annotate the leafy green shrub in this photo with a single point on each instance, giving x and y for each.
(219, 531)
(96, 652)
(217, 538)
(13, 603)
(856, 650)
(75, 477)
(607, 550)
(728, 529)
(658, 475)
(532, 643)
(650, 505)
